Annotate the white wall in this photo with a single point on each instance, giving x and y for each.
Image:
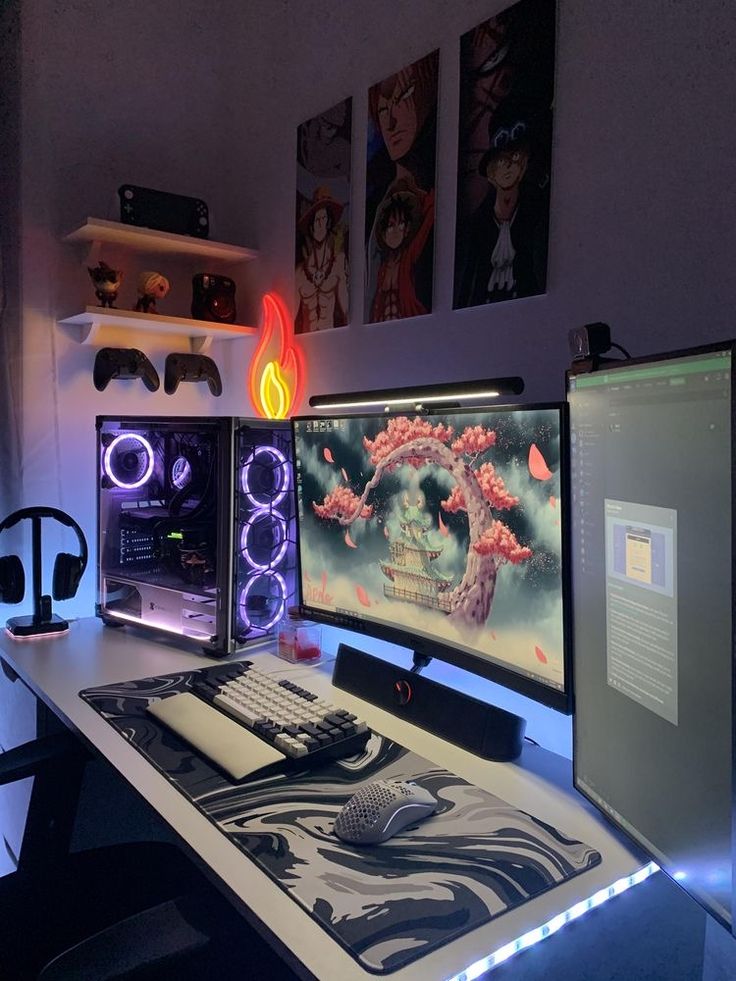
(205, 98)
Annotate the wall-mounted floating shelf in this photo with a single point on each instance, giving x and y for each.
(99, 230)
(201, 333)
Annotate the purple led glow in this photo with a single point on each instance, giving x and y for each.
(181, 472)
(271, 577)
(281, 543)
(278, 465)
(107, 461)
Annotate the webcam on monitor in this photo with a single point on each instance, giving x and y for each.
(588, 344)
(589, 340)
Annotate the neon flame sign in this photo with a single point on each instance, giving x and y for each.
(276, 373)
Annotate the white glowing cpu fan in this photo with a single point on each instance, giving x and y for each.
(128, 460)
(196, 527)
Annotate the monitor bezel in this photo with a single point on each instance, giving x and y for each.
(616, 365)
(559, 699)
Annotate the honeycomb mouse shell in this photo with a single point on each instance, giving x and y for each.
(381, 809)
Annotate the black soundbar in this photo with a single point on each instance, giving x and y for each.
(484, 729)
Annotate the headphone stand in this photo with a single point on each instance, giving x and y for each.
(43, 621)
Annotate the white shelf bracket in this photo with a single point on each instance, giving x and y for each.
(199, 345)
(91, 255)
(88, 332)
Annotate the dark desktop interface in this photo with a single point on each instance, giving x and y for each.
(446, 526)
(651, 479)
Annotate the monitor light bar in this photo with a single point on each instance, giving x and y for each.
(489, 388)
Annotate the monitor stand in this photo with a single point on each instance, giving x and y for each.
(486, 730)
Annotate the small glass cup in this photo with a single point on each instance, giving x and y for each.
(300, 641)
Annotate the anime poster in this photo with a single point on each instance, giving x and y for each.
(447, 526)
(323, 220)
(504, 154)
(400, 192)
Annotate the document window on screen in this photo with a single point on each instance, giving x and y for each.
(641, 605)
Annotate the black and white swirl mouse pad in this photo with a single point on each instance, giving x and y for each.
(475, 859)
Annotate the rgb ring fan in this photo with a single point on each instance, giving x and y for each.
(265, 477)
(262, 600)
(128, 461)
(264, 539)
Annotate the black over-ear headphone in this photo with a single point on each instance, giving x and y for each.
(68, 569)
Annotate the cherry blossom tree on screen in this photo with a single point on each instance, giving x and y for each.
(478, 490)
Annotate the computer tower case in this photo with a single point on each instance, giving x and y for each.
(196, 527)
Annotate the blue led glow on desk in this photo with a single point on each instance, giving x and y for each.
(532, 937)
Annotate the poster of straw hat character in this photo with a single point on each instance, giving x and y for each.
(400, 192)
(504, 155)
(322, 220)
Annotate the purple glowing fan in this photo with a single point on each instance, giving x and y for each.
(264, 540)
(128, 461)
(262, 600)
(265, 477)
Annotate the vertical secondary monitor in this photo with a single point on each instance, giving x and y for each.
(652, 558)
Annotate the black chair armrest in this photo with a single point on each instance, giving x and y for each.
(30, 758)
(145, 944)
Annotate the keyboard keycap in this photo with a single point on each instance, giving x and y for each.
(281, 713)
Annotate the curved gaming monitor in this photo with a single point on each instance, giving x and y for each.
(443, 533)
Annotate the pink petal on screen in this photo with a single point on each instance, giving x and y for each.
(444, 530)
(349, 541)
(327, 454)
(362, 596)
(385, 531)
(493, 635)
(537, 464)
(344, 475)
(541, 656)
(552, 501)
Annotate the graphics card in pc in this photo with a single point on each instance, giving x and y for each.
(196, 526)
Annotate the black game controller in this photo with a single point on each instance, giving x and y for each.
(123, 362)
(191, 368)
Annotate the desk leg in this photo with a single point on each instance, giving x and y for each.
(53, 808)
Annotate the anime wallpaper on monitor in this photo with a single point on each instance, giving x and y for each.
(445, 526)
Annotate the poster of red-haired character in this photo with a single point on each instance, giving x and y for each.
(322, 220)
(400, 192)
(504, 155)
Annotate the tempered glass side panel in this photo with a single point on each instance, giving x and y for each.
(160, 527)
(264, 567)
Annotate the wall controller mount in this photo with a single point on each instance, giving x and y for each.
(129, 362)
(191, 368)
(123, 362)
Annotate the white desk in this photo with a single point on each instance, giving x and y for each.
(89, 655)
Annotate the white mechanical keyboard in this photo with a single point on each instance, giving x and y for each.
(292, 723)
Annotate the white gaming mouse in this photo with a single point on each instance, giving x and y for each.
(381, 809)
